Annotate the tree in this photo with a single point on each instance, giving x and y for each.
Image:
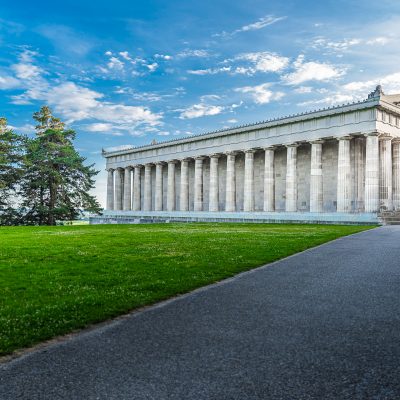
(11, 156)
(56, 183)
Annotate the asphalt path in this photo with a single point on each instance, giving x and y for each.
(323, 324)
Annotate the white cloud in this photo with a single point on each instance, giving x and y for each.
(8, 82)
(255, 62)
(152, 67)
(125, 55)
(77, 103)
(25, 70)
(330, 100)
(200, 110)
(262, 62)
(261, 94)
(312, 71)
(261, 23)
(232, 121)
(338, 46)
(345, 44)
(25, 129)
(357, 90)
(124, 64)
(209, 97)
(381, 40)
(115, 63)
(390, 83)
(209, 71)
(303, 89)
(163, 56)
(98, 127)
(233, 106)
(201, 53)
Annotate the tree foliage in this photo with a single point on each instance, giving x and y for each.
(53, 181)
(11, 156)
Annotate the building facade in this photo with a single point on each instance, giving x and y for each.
(339, 160)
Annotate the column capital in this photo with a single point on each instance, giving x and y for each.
(147, 165)
(215, 155)
(292, 145)
(120, 168)
(346, 137)
(385, 136)
(396, 140)
(199, 158)
(272, 147)
(373, 133)
(251, 151)
(231, 153)
(317, 141)
(174, 161)
(158, 163)
(185, 159)
(128, 167)
(110, 169)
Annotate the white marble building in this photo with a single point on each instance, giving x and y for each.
(339, 163)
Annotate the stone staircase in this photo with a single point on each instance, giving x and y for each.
(390, 217)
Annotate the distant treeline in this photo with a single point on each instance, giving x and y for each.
(43, 179)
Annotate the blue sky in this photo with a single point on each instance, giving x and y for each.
(127, 72)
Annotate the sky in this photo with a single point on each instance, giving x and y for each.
(129, 72)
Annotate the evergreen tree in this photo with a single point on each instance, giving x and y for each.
(56, 183)
(11, 155)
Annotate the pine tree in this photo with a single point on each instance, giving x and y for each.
(56, 183)
(11, 155)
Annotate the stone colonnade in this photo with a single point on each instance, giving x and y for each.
(377, 170)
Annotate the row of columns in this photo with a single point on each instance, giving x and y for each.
(380, 172)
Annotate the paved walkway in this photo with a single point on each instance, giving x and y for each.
(324, 324)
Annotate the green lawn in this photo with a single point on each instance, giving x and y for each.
(57, 279)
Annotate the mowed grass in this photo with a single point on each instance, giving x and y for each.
(54, 280)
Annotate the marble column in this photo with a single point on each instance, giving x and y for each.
(230, 201)
(396, 173)
(371, 197)
(248, 202)
(110, 189)
(198, 184)
(171, 186)
(184, 191)
(119, 192)
(269, 180)
(359, 173)
(344, 175)
(214, 189)
(127, 189)
(385, 180)
(147, 187)
(316, 188)
(136, 187)
(158, 200)
(291, 178)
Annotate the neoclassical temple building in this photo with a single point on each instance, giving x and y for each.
(338, 164)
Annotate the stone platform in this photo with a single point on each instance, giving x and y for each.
(140, 217)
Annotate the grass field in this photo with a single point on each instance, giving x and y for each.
(54, 280)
